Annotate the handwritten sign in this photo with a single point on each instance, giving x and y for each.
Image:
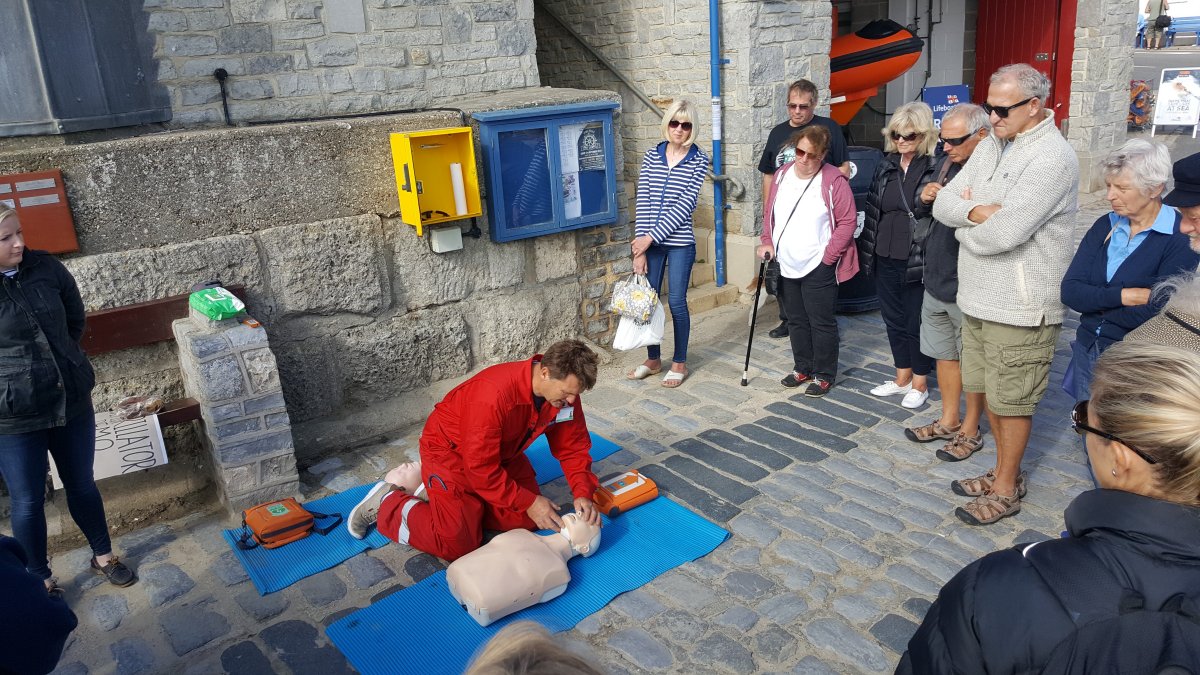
(123, 446)
(1178, 97)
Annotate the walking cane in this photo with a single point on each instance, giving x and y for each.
(762, 266)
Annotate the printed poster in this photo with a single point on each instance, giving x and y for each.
(1178, 97)
(942, 99)
(123, 446)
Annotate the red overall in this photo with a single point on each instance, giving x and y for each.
(474, 467)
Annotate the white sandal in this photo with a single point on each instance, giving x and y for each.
(642, 372)
(673, 379)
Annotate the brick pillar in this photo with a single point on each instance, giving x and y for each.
(229, 368)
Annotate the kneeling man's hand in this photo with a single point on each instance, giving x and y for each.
(586, 510)
(545, 513)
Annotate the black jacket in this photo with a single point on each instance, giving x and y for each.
(33, 626)
(940, 249)
(889, 169)
(45, 378)
(999, 615)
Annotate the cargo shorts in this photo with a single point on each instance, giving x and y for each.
(1009, 364)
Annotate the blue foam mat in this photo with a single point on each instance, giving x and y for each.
(275, 569)
(423, 628)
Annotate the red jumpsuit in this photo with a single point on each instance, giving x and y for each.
(474, 467)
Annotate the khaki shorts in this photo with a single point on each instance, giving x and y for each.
(1009, 364)
(941, 329)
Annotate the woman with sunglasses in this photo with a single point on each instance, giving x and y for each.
(1133, 546)
(667, 191)
(1124, 254)
(897, 223)
(808, 226)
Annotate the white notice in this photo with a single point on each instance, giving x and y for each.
(123, 446)
(1178, 97)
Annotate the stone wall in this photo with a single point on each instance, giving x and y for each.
(296, 59)
(368, 325)
(664, 48)
(1101, 68)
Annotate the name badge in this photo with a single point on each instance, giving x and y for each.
(565, 414)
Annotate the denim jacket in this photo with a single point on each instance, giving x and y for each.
(45, 378)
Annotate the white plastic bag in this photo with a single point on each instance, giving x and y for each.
(632, 335)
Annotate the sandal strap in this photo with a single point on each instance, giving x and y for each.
(962, 446)
(979, 483)
(990, 506)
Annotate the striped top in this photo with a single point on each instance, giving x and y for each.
(667, 196)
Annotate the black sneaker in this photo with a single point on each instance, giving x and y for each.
(780, 331)
(117, 573)
(794, 380)
(818, 388)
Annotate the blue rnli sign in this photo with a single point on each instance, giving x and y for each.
(942, 99)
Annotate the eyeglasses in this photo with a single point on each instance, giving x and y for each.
(906, 137)
(955, 142)
(1079, 415)
(1002, 111)
(674, 124)
(799, 106)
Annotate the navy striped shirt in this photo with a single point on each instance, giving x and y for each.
(667, 196)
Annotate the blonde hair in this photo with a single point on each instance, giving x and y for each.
(6, 211)
(909, 118)
(526, 648)
(681, 110)
(1148, 395)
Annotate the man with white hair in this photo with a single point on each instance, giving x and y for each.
(963, 128)
(1013, 206)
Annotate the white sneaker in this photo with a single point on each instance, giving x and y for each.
(890, 388)
(915, 399)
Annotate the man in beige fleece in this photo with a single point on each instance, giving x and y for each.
(1014, 206)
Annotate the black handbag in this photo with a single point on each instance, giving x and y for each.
(1163, 21)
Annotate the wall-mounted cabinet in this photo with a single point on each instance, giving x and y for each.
(435, 176)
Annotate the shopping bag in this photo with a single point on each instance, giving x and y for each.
(634, 298)
(632, 335)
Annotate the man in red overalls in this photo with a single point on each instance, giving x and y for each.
(473, 467)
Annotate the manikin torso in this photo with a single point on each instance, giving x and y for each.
(518, 569)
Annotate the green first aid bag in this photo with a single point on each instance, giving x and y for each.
(216, 303)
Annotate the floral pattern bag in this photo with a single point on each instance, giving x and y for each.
(634, 298)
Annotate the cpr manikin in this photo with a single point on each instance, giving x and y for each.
(519, 569)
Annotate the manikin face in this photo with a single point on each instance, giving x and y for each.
(559, 393)
(12, 243)
(1190, 224)
(1021, 118)
(955, 128)
(1126, 198)
(801, 108)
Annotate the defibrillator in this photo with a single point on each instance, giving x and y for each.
(623, 491)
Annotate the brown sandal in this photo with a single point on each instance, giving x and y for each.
(960, 447)
(932, 432)
(989, 508)
(980, 485)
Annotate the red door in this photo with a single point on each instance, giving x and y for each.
(1038, 32)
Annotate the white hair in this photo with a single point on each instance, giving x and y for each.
(972, 116)
(1029, 80)
(1148, 163)
(1184, 290)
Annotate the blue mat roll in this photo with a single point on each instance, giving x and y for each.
(422, 629)
(275, 569)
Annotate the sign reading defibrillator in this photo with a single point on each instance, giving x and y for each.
(123, 446)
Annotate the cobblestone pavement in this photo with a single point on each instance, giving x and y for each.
(843, 530)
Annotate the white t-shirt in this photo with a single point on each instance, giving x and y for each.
(800, 242)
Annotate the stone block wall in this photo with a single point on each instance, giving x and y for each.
(664, 48)
(296, 59)
(1101, 67)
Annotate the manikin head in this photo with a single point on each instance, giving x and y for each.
(584, 538)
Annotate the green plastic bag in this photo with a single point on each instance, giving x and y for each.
(216, 303)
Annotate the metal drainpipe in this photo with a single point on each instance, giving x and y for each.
(714, 47)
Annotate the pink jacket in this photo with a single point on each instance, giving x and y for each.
(839, 200)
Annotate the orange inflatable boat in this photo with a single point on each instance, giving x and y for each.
(862, 61)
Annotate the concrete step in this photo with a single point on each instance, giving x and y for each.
(706, 297)
(703, 273)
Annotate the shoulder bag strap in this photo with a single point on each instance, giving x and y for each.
(328, 528)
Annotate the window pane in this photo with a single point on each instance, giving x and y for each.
(584, 169)
(525, 177)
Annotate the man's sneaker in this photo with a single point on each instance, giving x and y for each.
(780, 331)
(818, 388)
(988, 508)
(890, 388)
(794, 380)
(366, 512)
(117, 573)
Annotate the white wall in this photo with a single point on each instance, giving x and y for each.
(947, 47)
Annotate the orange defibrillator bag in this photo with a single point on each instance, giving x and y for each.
(280, 522)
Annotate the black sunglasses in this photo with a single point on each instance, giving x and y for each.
(908, 137)
(687, 126)
(960, 140)
(1002, 111)
(1079, 415)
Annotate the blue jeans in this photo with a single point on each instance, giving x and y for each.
(676, 261)
(1083, 361)
(24, 465)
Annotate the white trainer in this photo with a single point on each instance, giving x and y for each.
(890, 388)
(915, 399)
(366, 512)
